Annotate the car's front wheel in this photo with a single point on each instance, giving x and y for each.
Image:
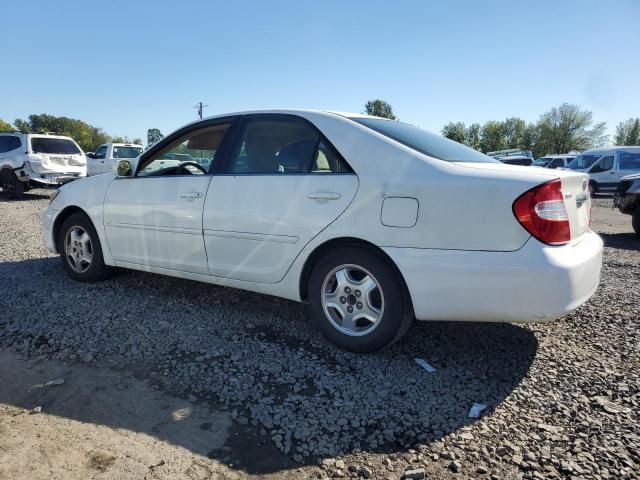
(80, 250)
(358, 300)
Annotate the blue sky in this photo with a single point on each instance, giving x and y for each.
(129, 66)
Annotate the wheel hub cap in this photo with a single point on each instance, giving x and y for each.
(78, 249)
(352, 300)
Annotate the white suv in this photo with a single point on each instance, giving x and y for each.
(29, 159)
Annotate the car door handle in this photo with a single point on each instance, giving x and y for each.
(191, 195)
(324, 196)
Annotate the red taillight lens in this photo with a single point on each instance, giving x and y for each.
(542, 212)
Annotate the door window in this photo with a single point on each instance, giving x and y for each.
(629, 161)
(193, 154)
(603, 165)
(558, 162)
(280, 146)
(100, 153)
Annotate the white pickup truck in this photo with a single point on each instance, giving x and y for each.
(105, 158)
(29, 160)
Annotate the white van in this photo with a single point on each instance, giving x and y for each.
(606, 166)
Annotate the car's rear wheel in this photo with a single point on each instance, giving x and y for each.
(80, 250)
(358, 300)
(635, 220)
(12, 187)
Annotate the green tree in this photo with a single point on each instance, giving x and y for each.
(455, 131)
(569, 127)
(153, 136)
(137, 141)
(492, 136)
(379, 108)
(627, 132)
(6, 126)
(529, 137)
(513, 129)
(472, 136)
(87, 136)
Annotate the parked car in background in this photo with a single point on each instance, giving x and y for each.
(627, 199)
(554, 161)
(606, 166)
(28, 159)
(105, 158)
(516, 160)
(373, 222)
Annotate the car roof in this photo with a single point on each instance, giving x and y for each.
(603, 150)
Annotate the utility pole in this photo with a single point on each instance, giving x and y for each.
(199, 106)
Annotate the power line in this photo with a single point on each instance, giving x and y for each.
(199, 106)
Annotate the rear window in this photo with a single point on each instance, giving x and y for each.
(425, 142)
(54, 145)
(126, 152)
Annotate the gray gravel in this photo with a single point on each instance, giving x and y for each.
(563, 398)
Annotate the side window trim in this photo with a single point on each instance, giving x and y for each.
(235, 138)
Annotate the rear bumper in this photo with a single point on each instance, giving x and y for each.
(534, 284)
(48, 177)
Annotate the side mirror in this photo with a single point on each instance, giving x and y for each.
(124, 168)
(90, 155)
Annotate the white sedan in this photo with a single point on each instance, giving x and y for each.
(372, 222)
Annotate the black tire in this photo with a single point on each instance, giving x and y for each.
(593, 188)
(93, 271)
(396, 313)
(635, 220)
(11, 186)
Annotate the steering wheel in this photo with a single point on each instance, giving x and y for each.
(193, 164)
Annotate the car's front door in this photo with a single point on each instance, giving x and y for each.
(604, 174)
(97, 163)
(283, 183)
(154, 217)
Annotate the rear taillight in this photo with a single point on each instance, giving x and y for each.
(542, 212)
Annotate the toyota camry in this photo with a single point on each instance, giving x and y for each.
(373, 222)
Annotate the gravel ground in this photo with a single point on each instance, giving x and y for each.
(563, 398)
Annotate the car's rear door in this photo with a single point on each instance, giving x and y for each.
(155, 217)
(283, 183)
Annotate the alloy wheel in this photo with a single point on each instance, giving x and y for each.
(352, 300)
(78, 249)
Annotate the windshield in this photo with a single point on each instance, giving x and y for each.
(54, 145)
(583, 161)
(542, 162)
(424, 142)
(126, 152)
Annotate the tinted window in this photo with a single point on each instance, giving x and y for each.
(193, 154)
(126, 152)
(4, 143)
(283, 146)
(541, 162)
(425, 142)
(583, 161)
(629, 161)
(14, 143)
(100, 153)
(605, 164)
(54, 145)
(558, 162)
